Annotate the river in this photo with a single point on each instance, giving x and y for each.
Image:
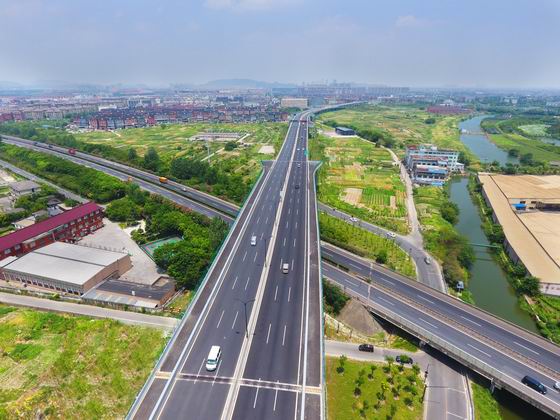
(488, 282)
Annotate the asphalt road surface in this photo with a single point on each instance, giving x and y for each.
(272, 368)
(508, 349)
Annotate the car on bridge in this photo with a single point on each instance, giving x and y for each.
(213, 358)
(534, 383)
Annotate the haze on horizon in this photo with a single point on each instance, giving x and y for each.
(429, 43)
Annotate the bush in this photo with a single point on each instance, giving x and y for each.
(335, 299)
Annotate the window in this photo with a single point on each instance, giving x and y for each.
(17, 247)
(6, 252)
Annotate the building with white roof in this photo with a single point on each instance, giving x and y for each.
(66, 268)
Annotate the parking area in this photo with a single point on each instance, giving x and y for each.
(111, 236)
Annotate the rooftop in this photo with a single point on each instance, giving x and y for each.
(47, 225)
(73, 264)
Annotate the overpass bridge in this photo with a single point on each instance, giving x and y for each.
(500, 351)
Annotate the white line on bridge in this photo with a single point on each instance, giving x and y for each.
(284, 244)
(385, 300)
(234, 319)
(268, 334)
(234, 283)
(220, 320)
(470, 320)
(289, 292)
(283, 336)
(526, 348)
(476, 348)
(247, 284)
(423, 298)
(245, 256)
(275, 293)
(429, 323)
(256, 396)
(256, 253)
(275, 397)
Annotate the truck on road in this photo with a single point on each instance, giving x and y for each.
(163, 180)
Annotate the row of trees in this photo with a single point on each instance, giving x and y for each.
(375, 135)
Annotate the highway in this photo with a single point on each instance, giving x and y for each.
(272, 368)
(506, 351)
(493, 347)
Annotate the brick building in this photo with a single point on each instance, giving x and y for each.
(66, 227)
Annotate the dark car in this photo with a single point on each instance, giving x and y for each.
(404, 359)
(534, 383)
(366, 347)
(297, 186)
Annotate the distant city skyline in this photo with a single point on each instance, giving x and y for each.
(498, 44)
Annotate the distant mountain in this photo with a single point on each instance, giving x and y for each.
(243, 84)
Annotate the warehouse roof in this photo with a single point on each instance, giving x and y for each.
(73, 264)
(47, 225)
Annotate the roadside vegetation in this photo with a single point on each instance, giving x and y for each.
(373, 390)
(61, 366)
(335, 299)
(485, 405)
(545, 309)
(362, 242)
(167, 150)
(360, 179)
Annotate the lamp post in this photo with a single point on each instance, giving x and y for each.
(245, 303)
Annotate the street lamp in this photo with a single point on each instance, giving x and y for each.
(245, 303)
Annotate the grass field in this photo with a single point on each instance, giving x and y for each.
(61, 366)
(365, 243)
(485, 405)
(406, 124)
(360, 179)
(385, 391)
(173, 141)
(535, 129)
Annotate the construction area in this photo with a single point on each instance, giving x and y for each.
(528, 209)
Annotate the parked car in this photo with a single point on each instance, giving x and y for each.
(366, 347)
(404, 359)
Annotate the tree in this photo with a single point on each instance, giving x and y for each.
(123, 210)
(408, 401)
(463, 158)
(450, 212)
(526, 159)
(341, 363)
(230, 145)
(335, 299)
(381, 257)
(132, 155)
(530, 286)
(151, 159)
(513, 152)
(372, 369)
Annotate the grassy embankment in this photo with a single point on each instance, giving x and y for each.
(523, 135)
(485, 405)
(61, 366)
(360, 179)
(364, 243)
(372, 390)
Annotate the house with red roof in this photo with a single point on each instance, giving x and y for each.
(65, 227)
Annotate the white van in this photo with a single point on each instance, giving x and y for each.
(213, 358)
(285, 268)
(253, 240)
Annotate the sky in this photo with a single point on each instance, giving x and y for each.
(418, 43)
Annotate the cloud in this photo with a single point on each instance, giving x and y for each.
(410, 21)
(239, 5)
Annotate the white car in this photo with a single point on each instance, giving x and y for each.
(253, 240)
(391, 235)
(213, 358)
(353, 219)
(557, 385)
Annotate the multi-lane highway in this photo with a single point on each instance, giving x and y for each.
(267, 321)
(493, 347)
(504, 350)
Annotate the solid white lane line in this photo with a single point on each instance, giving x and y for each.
(427, 322)
(247, 284)
(289, 292)
(284, 335)
(275, 397)
(256, 396)
(275, 293)
(476, 348)
(470, 320)
(423, 298)
(234, 319)
(245, 256)
(234, 283)
(220, 320)
(268, 334)
(526, 348)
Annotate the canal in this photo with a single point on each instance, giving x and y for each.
(488, 283)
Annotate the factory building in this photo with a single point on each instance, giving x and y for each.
(65, 268)
(345, 131)
(294, 103)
